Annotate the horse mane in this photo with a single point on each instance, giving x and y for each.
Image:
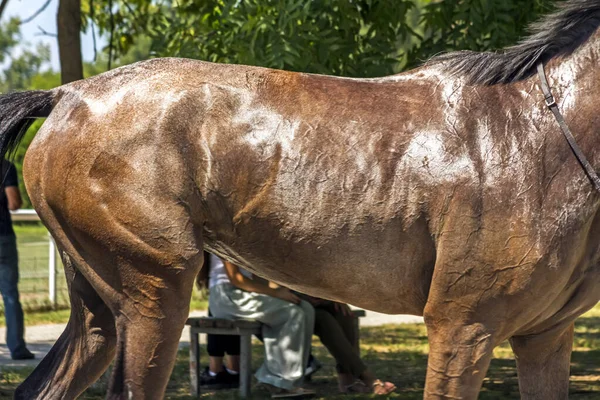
(557, 34)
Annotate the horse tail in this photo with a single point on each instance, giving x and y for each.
(18, 111)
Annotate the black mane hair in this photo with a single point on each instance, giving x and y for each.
(558, 34)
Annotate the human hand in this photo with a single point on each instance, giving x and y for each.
(343, 309)
(286, 295)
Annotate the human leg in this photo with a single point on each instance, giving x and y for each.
(9, 278)
(291, 324)
(336, 332)
(219, 375)
(216, 375)
(218, 346)
(287, 331)
(233, 363)
(336, 339)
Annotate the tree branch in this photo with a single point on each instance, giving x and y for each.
(3, 4)
(43, 32)
(38, 12)
(112, 34)
(130, 10)
(93, 23)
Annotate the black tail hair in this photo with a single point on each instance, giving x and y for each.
(17, 113)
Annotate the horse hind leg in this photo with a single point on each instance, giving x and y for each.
(149, 323)
(147, 282)
(543, 363)
(139, 241)
(83, 351)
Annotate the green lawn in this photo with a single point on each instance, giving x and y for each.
(397, 353)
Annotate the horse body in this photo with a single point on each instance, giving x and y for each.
(417, 193)
(261, 183)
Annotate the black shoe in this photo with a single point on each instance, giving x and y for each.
(23, 355)
(223, 380)
(234, 379)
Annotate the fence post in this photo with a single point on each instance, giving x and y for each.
(52, 270)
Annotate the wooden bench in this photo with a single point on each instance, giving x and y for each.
(245, 329)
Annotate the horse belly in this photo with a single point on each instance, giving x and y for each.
(382, 267)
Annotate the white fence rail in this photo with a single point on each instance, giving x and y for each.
(31, 215)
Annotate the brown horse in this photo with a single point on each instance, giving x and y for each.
(447, 191)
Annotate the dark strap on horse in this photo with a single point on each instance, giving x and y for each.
(551, 103)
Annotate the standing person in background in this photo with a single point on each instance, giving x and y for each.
(10, 199)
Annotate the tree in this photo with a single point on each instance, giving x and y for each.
(342, 37)
(9, 33)
(123, 22)
(20, 70)
(474, 25)
(69, 40)
(20, 73)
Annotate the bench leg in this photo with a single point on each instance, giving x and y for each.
(245, 365)
(194, 364)
(357, 335)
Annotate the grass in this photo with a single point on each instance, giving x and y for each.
(394, 352)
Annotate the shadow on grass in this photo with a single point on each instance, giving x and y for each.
(397, 353)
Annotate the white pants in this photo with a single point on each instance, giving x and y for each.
(287, 330)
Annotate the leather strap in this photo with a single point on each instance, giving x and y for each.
(551, 103)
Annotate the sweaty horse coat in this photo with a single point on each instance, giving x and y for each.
(447, 191)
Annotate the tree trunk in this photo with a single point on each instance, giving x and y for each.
(69, 40)
(2, 6)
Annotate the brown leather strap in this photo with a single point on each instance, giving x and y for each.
(551, 103)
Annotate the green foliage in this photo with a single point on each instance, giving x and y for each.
(340, 37)
(126, 25)
(8, 37)
(21, 69)
(477, 25)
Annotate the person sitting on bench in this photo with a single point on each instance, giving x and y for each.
(334, 325)
(223, 372)
(217, 375)
(288, 324)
